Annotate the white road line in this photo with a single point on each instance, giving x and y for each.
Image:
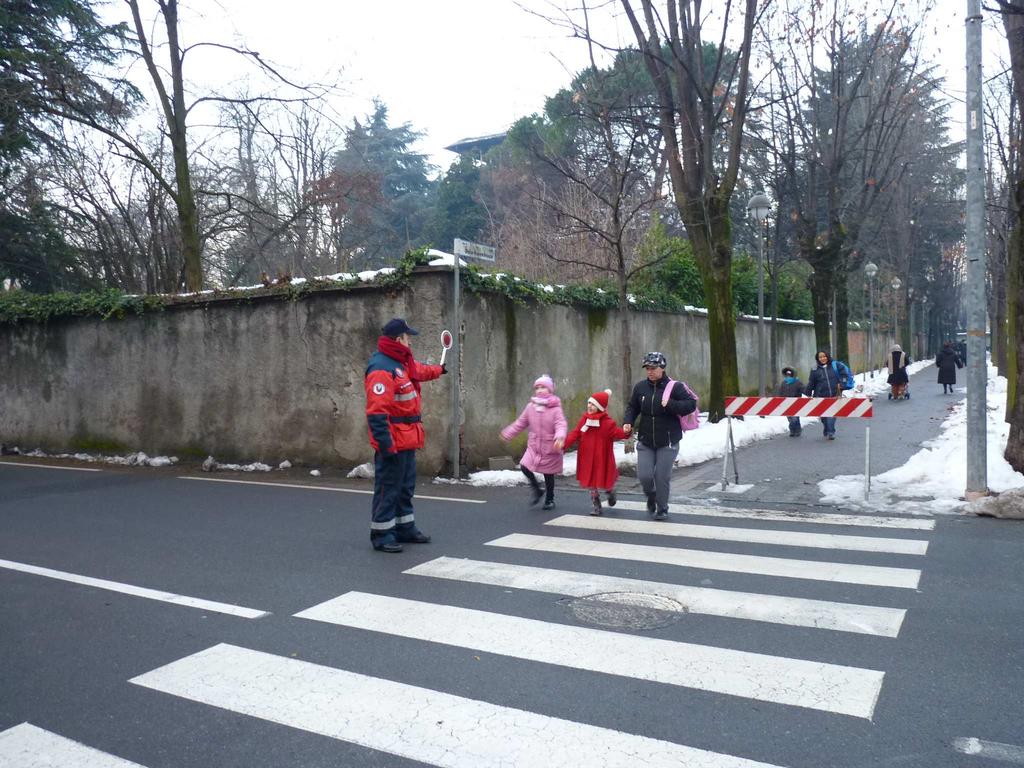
(324, 488)
(992, 750)
(792, 611)
(26, 746)
(777, 679)
(436, 728)
(48, 466)
(819, 518)
(871, 575)
(128, 589)
(750, 535)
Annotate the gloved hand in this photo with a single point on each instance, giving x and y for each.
(444, 368)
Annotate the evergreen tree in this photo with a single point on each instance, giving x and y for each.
(381, 227)
(457, 211)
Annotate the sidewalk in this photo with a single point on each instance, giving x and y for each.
(786, 470)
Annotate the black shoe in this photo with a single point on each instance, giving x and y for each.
(611, 498)
(652, 505)
(549, 504)
(416, 538)
(538, 494)
(661, 514)
(830, 437)
(388, 546)
(596, 500)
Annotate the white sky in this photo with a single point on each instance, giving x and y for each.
(454, 68)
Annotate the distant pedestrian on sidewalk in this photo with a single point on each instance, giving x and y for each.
(791, 386)
(824, 382)
(947, 361)
(596, 433)
(898, 379)
(545, 422)
(658, 430)
(392, 385)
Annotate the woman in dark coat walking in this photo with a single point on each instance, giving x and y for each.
(824, 382)
(898, 378)
(947, 361)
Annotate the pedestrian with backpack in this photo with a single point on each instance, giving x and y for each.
(656, 405)
(828, 379)
(791, 386)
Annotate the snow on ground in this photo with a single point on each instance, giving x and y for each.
(138, 459)
(934, 478)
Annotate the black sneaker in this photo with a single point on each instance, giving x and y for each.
(661, 514)
(388, 546)
(538, 494)
(612, 498)
(652, 505)
(549, 504)
(596, 500)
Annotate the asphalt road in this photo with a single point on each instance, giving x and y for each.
(725, 668)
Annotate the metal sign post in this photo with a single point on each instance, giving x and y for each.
(463, 249)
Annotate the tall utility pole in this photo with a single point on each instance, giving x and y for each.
(977, 470)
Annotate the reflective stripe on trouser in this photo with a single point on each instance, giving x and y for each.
(394, 482)
(654, 470)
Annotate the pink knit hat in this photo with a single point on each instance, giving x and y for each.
(545, 381)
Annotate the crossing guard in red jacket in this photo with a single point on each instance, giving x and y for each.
(395, 426)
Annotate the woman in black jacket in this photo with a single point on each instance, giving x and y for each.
(658, 431)
(947, 361)
(824, 382)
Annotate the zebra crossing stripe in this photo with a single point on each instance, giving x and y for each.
(792, 611)
(810, 684)
(130, 589)
(749, 535)
(817, 518)
(434, 728)
(870, 575)
(27, 746)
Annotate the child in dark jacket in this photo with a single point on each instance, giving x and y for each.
(791, 386)
(596, 433)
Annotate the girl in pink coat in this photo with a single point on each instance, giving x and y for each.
(545, 421)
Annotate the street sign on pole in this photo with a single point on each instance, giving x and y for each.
(472, 250)
(469, 250)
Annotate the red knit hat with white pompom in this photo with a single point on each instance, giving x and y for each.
(600, 399)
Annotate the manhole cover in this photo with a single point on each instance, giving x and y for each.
(626, 610)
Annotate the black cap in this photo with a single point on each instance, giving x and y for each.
(654, 360)
(396, 326)
(788, 370)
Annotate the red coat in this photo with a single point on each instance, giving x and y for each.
(595, 460)
(393, 402)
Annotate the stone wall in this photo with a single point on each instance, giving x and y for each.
(268, 379)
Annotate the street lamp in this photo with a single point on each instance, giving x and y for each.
(910, 319)
(759, 207)
(871, 269)
(896, 285)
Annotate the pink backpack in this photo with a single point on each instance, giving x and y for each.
(690, 421)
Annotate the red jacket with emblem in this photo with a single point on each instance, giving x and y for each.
(392, 386)
(595, 460)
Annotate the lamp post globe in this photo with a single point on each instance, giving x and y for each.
(896, 285)
(758, 208)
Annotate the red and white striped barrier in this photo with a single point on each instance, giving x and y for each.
(836, 407)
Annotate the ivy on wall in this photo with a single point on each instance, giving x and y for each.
(23, 307)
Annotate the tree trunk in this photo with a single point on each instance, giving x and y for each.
(1015, 340)
(710, 234)
(822, 281)
(842, 350)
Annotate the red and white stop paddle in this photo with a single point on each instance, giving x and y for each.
(446, 343)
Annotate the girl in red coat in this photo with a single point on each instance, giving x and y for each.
(596, 433)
